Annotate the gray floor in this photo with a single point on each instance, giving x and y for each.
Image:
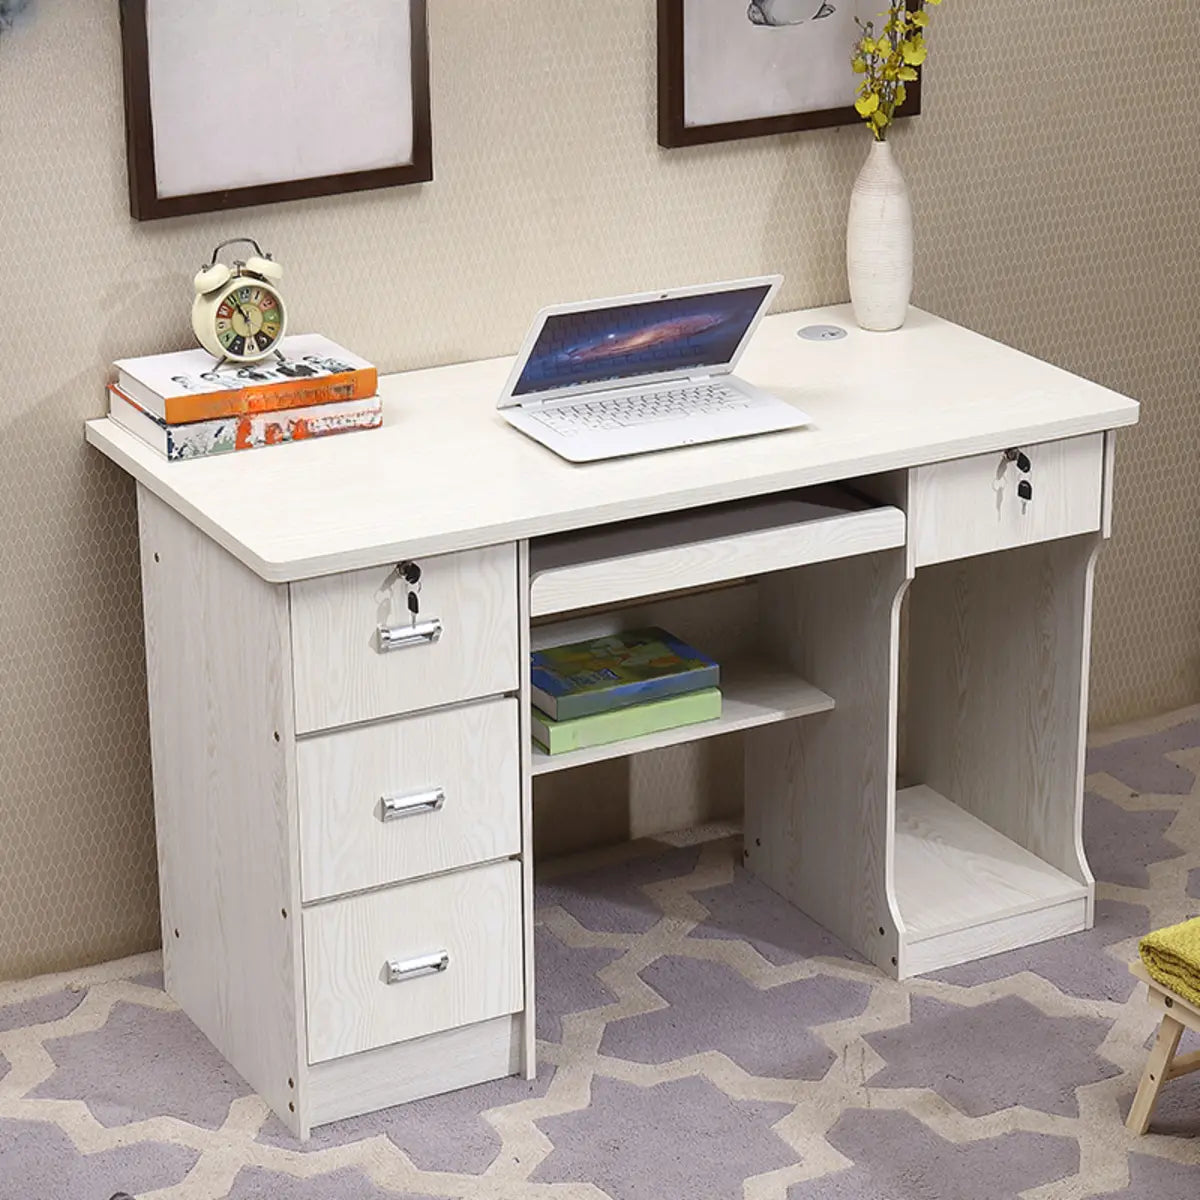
(699, 1040)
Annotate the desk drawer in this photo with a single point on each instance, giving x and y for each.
(469, 922)
(344, 672)
(970, 505)
(410, 797)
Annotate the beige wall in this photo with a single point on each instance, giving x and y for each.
(1054, 177)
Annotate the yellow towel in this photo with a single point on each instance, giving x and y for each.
(1172, 956)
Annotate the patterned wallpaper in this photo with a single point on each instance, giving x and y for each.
(1054, 183)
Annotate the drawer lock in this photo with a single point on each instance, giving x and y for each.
(401, 970)
(413, 804)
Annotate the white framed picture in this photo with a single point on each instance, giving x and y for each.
(228, 105)
(742, 68)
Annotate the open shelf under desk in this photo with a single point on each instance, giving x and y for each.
(752, 693)
(966, 891)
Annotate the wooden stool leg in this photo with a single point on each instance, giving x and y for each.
(1155, 1075)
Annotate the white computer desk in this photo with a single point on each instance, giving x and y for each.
(344, 830)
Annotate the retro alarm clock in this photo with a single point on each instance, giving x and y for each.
(238, 314)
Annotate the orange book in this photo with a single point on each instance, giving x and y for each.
(188, 386)
(199, 439)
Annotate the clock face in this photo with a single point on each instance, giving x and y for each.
(249, 320)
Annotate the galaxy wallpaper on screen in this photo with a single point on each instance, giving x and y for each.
(639, 339)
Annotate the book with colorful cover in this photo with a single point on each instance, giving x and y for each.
(188, 386)
(246, 432)
(619, 724)
(612, 672)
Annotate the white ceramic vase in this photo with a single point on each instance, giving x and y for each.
(879, 242)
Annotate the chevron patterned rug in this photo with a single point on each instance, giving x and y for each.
(699, 1040)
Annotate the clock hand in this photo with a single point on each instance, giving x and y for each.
(249, 334)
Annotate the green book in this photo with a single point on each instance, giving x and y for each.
(600, 729)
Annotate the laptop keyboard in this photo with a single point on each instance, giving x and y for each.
(642, 408)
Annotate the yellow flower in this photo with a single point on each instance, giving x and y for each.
(886, 54)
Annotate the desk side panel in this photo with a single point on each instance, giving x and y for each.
(1110, 471)
(525, 742)
(218, 667)
(821, 792)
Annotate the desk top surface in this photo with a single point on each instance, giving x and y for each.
(447, 473)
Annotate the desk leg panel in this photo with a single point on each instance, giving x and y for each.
(218, 662)
(406, 1071)
(525, 733)
(820, 792)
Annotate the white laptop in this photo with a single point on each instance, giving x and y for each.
(651, 372)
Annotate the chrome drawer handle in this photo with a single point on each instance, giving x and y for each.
(413, 804)
(400, 970)
(399, 637)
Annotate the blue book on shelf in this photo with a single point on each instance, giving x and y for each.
(613, 672)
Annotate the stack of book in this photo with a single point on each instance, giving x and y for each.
(186, 407)
(612, 688)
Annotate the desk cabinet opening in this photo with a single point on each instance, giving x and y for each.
(988, 841)
(808, 666)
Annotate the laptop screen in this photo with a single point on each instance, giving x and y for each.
(630, 340)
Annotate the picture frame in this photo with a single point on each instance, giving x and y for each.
(273, 108)
(701, 95)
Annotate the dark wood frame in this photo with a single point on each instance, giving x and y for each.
(672, 132)
(145, 204)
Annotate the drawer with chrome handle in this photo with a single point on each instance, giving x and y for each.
(458, 634)
(408, 797)
(406, 961)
